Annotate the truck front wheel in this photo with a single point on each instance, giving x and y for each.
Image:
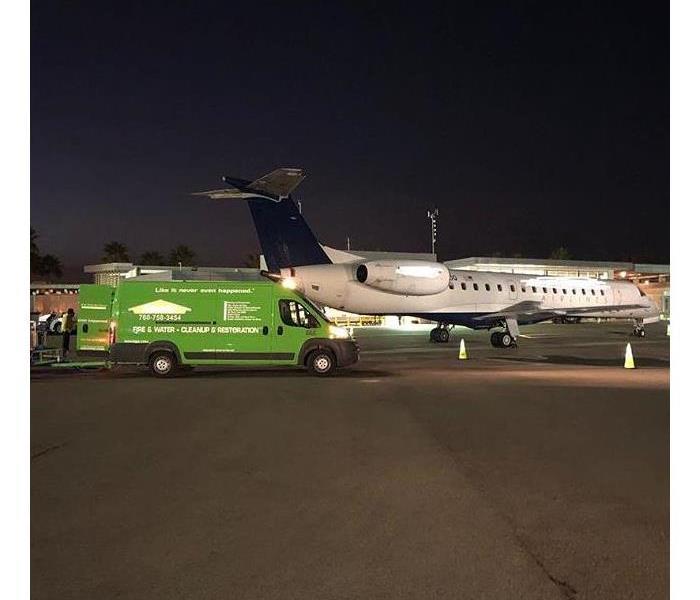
(162, 363)
(321, 362)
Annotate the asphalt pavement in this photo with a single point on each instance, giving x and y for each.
(535, 472)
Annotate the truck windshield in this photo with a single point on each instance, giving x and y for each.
(319, 310)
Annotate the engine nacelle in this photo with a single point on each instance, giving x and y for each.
(407, 277)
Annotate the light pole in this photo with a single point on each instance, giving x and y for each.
(433, 215)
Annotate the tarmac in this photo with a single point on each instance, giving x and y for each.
(535, 472)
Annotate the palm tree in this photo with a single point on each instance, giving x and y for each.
(182, 255)
(151, 258)
(115, 252)
(50, 266)
(560, 253)
(34, 256)
(252, 261)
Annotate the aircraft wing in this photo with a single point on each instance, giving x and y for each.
(601, 308)
(281, 182)
(526, 307)
(531, 308)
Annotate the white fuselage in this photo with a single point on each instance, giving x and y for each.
(474, 293)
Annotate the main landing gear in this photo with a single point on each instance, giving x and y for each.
(508, 337)
(441, 334)
(502, 339)
(639, 329)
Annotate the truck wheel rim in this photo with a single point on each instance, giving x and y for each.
(322, 363)
(162, 364)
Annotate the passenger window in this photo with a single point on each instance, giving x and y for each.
(602, 292)
(488, 287)
(583, 292)
(554, 290)
(534, 289)
(592, 292)
(512, 287)
(573, 291)
(295, 314)
(544, 290)
(476, 287)
(522, 289)
(464, 286)
(563, 291)
(500, 289)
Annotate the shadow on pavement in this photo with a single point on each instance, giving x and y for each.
(588, 361)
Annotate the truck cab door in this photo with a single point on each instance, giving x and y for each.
(294, 324)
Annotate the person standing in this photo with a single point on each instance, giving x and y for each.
(67, 326)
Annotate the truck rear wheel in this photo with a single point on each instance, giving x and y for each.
(162, 363)
(321, 362)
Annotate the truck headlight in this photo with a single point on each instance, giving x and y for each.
(338, 333)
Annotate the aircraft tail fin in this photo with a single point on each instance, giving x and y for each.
(285, 238)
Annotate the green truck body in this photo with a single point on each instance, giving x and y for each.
(189, 323)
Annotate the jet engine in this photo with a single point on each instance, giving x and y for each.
(406, 277)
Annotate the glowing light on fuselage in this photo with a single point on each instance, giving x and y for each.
(419, 271)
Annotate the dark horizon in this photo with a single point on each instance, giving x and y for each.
(530, 126)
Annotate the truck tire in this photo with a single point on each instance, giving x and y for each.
(162, 363)
(321, 362)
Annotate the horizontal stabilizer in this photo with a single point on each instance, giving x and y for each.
(280, 183)
(273, 186)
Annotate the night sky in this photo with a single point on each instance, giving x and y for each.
(530, 125)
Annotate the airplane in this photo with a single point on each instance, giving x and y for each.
(420, 288)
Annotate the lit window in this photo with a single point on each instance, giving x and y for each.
(500, 289)
(476, 287)
(488, 287)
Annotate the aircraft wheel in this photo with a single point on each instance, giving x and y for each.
(506, 340)
(496, 339)
(433, 334)
(442, 335)
(642, 333)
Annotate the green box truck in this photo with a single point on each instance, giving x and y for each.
(171, 324)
